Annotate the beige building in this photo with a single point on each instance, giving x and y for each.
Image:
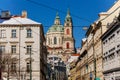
(91, 62)
(73, 70)
(72, 66)
(22, 39)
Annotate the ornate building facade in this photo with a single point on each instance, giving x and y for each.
(60, 38)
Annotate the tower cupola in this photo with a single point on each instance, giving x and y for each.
(68, 17)
(57, 20)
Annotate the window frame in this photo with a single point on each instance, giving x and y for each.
(67, 31)
(13, 33)
(68, 45)
(13, 49)
(28, 67)
(55, 40)
(13, 67)
(2, 48)
(29, 33)
(29, 49)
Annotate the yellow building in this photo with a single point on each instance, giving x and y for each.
(73, 70)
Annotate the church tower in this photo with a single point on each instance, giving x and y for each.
(68, 41)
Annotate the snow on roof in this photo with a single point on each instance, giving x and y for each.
(84, 39)
(72, 58)
(18, 20)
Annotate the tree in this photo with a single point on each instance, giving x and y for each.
(5, 60)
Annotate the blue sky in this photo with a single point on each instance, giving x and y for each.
(44, 11)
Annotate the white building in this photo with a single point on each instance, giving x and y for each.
(22, 39)
(111, 51)
(56, 68)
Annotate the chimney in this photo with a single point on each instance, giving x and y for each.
(5, 14)
(24, 14)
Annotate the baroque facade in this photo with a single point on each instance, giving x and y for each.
(22, 42)
(60, 39)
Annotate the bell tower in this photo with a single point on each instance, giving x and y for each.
(68, 42)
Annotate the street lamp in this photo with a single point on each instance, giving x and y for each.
(30, 65)
(94, 57)
(86, 28)
(30, 68)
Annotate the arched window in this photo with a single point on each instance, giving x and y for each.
(48, 41)
(68, 31)
(55, 40)
(67, 45)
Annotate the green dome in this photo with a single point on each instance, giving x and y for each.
(56, 28)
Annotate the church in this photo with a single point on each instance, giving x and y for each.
(59, 38)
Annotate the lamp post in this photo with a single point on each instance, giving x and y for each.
(94, 56)
(30, 68)
(0, 64)
(86, 28)
(30, 64)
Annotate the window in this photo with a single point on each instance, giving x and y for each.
(118, 46)
(2, 49)
(13, 33)
(29, 33)
(118, 52)
(67, 24)
(67, 45)
(55, 40)
(28, 67)
(13, 67)
(62, 39)
(29, 49)
(68, 31)
(55, 58)
(118, 31)
(48, 41)
(2, 33)
(13, 49)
